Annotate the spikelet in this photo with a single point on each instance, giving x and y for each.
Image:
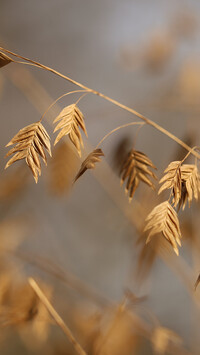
(190, 184)
(135, 168)
(30, 142)
(184, 182)
(172, 180)
(4, 60)
(71, 118)
(163, 218)
(89, 162)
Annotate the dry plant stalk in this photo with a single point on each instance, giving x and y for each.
(59, 321)
(30, 142)
(89, 162)
(89, 90)
(71, 118)
(163, 218)
(135, 168)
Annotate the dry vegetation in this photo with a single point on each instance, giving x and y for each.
(26, 305)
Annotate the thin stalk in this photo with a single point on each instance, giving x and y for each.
(60, 97)
(187, 155)
(56, 317)
(117, 129)
(115, 102)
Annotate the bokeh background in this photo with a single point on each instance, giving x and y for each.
(144, 54)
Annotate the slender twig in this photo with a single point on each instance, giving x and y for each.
(116, 129)
(190, 152)
(115, 102)
(60, 97)
(56, 316)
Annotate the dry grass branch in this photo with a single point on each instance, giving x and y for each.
(124, 107)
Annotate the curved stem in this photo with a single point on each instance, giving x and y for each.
(124, 107)
(117, 129)
(59, 98)
(81, 97)
(136, 135)
(190, 152)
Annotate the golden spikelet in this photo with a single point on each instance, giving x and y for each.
(71, 118)
(184, 182)
(62, 168)
(172, 180)
(4, 60)
(89, 162)
(163, 218)
(30, 142)
(190, 184)
(135, 168)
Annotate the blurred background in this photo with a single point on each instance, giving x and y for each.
(83, 242)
